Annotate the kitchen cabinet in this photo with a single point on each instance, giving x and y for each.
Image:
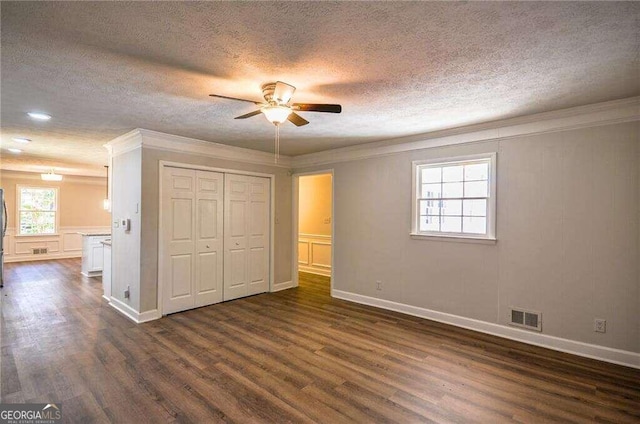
(93, 253)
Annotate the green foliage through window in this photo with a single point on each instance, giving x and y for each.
(37, 210)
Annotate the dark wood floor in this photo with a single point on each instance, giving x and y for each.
(292, 356)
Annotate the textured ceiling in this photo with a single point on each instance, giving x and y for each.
(398, 68)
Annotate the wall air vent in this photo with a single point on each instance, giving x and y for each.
(525, 319)
(39, 251)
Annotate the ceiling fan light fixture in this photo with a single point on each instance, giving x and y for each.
(276, 114)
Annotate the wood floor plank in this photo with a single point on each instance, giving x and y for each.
(293, 356)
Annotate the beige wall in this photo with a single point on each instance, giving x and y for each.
(80, 203)
(567, 226)
(314, 205)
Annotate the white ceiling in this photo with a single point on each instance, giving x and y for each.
(398, 68)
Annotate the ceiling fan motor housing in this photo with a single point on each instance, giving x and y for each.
(278, 93)
(268, 90)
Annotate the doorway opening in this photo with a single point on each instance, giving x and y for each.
(313, 230)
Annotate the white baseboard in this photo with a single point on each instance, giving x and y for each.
(283, 286)
(132, 314)
(45, 257)
(147, 316)
(602, 353)
(315, 270)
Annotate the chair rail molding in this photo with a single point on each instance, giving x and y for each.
(314, 253)
(67, 243)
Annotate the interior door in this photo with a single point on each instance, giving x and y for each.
(246, 228)
(192, 240)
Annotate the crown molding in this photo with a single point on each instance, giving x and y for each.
(141, 137)
(179, 144)
(598, 114)
(124, 143)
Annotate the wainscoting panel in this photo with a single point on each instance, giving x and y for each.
(314, 254)
(66, 244)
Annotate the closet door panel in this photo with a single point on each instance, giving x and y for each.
(209, 237)
(178, 231)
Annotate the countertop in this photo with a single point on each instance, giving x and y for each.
(94, 234)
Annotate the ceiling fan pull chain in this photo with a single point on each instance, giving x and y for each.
(277, 142)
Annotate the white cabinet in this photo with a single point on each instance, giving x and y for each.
(92, 254)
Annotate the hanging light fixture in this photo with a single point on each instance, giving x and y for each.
(106, 203)
(276, 114)
(51, 176)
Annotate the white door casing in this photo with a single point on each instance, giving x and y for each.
(246, 241)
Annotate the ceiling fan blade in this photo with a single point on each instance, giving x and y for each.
(233, 98)
(314, 107)
(249, 115)
(283, 92)
(297, 120)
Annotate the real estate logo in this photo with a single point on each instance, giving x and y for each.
(30, 413)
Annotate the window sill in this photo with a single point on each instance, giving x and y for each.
(458, 239)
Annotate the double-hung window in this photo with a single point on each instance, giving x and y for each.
(455, 197)
(37, 210)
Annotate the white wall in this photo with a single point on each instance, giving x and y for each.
(125, 204)
(567, 226)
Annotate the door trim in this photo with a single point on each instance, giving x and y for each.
(272, 216)
(294, 220)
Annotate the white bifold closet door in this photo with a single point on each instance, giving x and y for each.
(215, 237)
(246, 235)
(192, 227)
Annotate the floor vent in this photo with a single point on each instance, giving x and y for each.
(39, 251)
(526, 319)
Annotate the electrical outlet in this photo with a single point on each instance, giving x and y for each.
(378, 285)
(127, 293)
(327, 220)
(600, 325)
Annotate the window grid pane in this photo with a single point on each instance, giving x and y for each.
(37, 210)
(454, 197)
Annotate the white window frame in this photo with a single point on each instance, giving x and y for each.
(19, 189)
(490, 236)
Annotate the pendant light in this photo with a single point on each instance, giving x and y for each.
(51, 176)
(106, 203)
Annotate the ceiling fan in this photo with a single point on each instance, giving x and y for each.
(277, 107)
